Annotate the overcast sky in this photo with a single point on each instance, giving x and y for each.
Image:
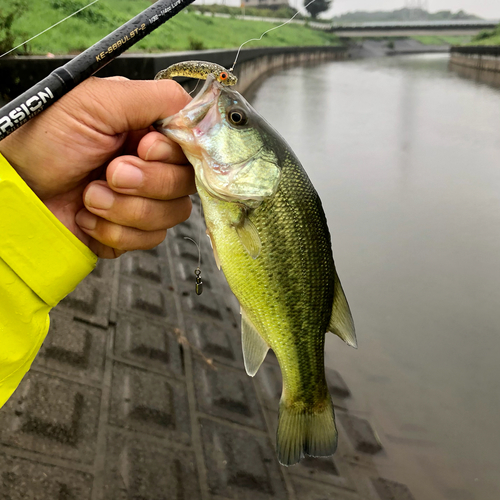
(485, 8)
(489, 9)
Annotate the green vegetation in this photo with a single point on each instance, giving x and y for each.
(487, 37)
(316, 8)
(8, 33)
(401, 15)
(189, 30)
(442, 40)
(281, 12)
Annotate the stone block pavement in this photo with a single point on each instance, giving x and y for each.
(139, 393)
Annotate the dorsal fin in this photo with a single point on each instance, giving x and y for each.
(341, 322)
(254, 346)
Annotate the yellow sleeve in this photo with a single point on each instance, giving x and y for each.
(41, 261)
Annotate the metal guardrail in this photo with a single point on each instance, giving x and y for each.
(480, 50)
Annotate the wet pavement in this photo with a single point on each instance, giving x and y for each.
(139, 392)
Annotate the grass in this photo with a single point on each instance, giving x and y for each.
(186, 31)
(487, 37)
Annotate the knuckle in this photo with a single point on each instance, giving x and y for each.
(143, 212)
(182, 211)
(116, 236)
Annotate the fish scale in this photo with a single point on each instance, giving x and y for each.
(297, 274)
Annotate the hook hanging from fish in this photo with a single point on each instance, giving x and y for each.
(200, 70)
(197, 271)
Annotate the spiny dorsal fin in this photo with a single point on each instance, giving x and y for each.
(214, 248)
(341, 322)
(254, 346)
(249, 237)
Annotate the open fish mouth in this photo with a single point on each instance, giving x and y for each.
(194, 113)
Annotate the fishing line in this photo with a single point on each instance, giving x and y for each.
(53, 26)
(271, 29)
(195, 87)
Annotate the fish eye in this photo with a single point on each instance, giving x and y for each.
(223, 76)
(237, 117)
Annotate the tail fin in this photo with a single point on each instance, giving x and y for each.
(305, 432)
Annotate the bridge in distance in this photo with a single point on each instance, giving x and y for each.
(408, 28)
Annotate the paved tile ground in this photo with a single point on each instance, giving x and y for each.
(139, 392)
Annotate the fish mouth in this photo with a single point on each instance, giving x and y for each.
(193, 114)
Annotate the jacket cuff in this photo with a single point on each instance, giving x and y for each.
(35, 244)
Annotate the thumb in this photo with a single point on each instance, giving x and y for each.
(116, 105)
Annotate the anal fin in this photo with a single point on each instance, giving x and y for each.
(341, 322)
(254, 346)
(214, 248)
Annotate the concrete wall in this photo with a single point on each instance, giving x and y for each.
(482, 58)
(18, 74)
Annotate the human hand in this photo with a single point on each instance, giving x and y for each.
(93, 161)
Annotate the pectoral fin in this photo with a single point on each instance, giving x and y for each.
(214, 248)
(254, 346)
(341, 322)
(249, 237)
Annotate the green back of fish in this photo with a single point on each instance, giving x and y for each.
(287, 291)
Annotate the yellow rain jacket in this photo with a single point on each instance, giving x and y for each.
(41, 261)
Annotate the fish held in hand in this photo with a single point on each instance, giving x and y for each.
(270, 237)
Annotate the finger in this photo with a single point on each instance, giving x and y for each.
(156, 147)
(103, 251)
(116, 236)
(135, 211)
(132, 141)
(119, 106)
(150, 179)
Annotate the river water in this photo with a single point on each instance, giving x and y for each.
(405, 155)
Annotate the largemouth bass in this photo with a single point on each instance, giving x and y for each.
(270, 237)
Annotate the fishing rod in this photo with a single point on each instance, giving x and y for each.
(47, 91)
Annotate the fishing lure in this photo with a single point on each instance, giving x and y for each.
(200, 70)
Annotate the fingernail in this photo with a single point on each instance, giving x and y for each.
(127, 176)
(86, 220)
(99, 197)
(159, 150)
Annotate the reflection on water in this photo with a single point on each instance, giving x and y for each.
(406, 157)
(488, 77)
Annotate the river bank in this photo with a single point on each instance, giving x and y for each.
(480, 57)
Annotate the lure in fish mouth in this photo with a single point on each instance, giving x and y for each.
(270, 237)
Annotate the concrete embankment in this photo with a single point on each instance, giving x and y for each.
(483, 58)
(21, 73)
(479, 63)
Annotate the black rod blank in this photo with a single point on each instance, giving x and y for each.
(63, 79)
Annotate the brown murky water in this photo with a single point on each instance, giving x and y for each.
(406, 157)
